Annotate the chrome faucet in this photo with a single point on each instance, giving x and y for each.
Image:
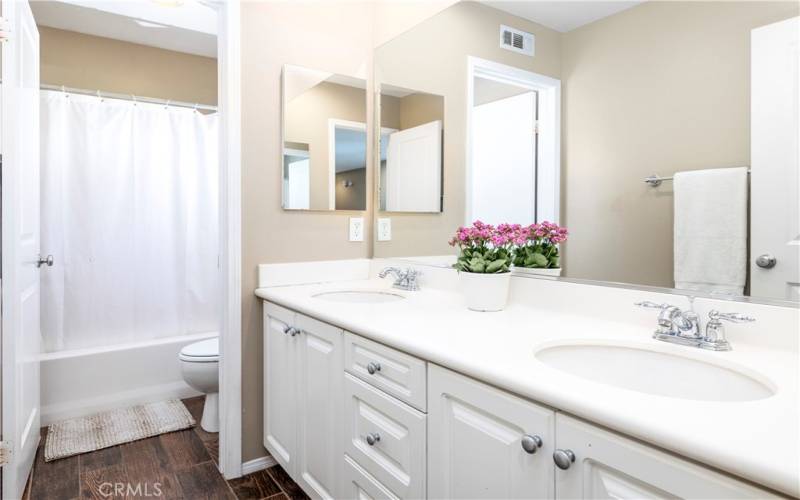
(404, 279)
(683, 327)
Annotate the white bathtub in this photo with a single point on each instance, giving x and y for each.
(84, 381)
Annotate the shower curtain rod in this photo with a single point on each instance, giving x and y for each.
(128, 97)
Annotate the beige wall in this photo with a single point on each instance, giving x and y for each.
(306, 121)
(336, 37)
(432, 58)
(662, 87)
(94, 63)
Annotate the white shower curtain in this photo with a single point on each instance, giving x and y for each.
(129, 211)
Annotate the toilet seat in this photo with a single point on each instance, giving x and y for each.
(205, 351)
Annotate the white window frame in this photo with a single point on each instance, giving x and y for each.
(548, 158)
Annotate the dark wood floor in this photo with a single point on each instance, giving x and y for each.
(180, 464)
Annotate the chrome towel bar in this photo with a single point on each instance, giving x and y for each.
(655, 180)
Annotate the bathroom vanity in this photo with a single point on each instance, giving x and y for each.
(381, 393)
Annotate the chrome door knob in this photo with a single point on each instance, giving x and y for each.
(373, 367)
(563, 458)
(766, 261)
(45, 260)
(372, 438)
(531, 443)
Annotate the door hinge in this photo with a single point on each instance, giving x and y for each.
(5, 30)
(6, 450)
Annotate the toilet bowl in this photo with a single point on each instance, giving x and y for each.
(200, 369)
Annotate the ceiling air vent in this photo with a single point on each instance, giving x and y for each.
(516, 40)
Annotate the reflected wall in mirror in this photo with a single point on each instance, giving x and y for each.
(699, 93)
(410, 175)
(324, 140)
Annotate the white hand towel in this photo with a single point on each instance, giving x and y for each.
(711, 230)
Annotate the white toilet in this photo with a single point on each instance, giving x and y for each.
(200, 368)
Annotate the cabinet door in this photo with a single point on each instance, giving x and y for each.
(320, 366)
(475, 436)
(280, 387)
(608, 465)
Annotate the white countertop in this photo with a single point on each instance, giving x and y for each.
(757, 440)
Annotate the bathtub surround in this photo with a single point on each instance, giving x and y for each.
(110, 428)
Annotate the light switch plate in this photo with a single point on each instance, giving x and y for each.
(356, 229)
(384, 229)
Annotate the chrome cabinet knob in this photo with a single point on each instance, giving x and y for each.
(766, 261)
(45, 260)
(372, 438)
(295, 331)
(287, 329)
(531, 443)
(290, 330)
(563, 458)
(373, 367)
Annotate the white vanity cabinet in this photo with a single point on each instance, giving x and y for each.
(610, 466)
(303, 402)
(475, 441)
(348, 417)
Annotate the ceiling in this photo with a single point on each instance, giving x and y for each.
(564, 15)
(183, 26)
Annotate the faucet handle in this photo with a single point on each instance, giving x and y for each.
(651, 305)
(732, 317)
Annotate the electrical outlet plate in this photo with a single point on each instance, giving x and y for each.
(384, 229)
(356, 229)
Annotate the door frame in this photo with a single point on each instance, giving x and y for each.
(333, 124)
(548, 153)
(230, 236)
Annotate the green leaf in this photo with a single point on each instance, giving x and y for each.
(496, 266)
(539, 260)
(477, 265)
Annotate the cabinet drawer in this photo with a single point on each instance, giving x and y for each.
(359, 484)
(397, 456)
(396, 373)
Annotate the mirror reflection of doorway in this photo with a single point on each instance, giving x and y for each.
(297, 178)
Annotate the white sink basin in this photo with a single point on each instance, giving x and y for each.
(359, 296)
(654, 372)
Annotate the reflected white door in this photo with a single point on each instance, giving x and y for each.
(775, 169)
(298, 188)
(503, 180)
(21, 337)
(414, 169)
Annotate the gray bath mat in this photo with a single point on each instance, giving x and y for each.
(113, 427)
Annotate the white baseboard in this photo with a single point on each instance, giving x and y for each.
(89, 406)
(258, 464)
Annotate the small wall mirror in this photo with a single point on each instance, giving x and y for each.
(324, 140)
(410, 176)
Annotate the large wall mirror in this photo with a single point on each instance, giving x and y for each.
(654, 133)
(324, 140)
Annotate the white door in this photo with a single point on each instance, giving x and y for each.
(485, 443)
(298, 185)
(775, 170)
(503, 177)
(414, 169)
(609, 466)
(320, 400)
(280, 386)
(21, 336)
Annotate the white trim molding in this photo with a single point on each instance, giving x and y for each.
(258, 464)
(230, 203)
(548, 180)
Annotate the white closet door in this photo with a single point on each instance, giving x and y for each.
(414, 169)
(21, 334)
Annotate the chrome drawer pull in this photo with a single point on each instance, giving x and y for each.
(372, 438)
(373, 367)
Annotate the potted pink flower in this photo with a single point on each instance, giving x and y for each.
(536, 251)
(485, 256)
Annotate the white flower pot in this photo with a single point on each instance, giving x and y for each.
(485, 292)
(537, 271)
